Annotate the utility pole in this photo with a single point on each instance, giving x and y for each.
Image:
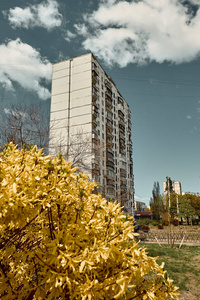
(169, 206)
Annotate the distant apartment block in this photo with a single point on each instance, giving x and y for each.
(91, 126)
(139, 206)
(172, 187)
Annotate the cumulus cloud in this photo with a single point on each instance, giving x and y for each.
(122, 32)
(24, 65)
(69, 35)
(195, 2)
(45, 15)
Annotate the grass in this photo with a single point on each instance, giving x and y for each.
(182, 265)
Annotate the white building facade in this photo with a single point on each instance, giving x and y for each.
(91, 126)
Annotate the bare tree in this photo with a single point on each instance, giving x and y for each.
(24, 125)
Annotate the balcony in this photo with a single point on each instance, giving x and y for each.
(109, 116)
(94, 123)
(95, 69)
(95, 92)
(95, 172)
(109, 135)
(108, 84)
(122, 136)
(121, 121)
(130, 149)
(108, 92)
(122, 173)
(129, 124)
(109, 143)
(110, 183)
(111, 191)
(121, 101)
(108, 102)
(95, 139)
(122, 127)
(110, 165)
(109, 126)
(94, 131)
(110, 155)
(121, 114)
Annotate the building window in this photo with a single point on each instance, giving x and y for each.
(102, 102)
(102, 94)
(98, 132)
(102, 135)
(102, 111)
(102, 118)
(102, 127)
(98, 123)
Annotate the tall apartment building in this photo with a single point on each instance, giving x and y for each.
(91, 126)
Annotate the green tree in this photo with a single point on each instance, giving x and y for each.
(186, 210)
(195, 202)
(174, 204)
(157, 201)
(59, 240)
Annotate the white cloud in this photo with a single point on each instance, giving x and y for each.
(24, 65)
(188, 117)
(45, 15)
(195, 2)
(69, 35)
(122, 32)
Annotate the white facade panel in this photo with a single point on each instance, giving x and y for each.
(84, 59)
(58, 123)
(81, 120)
(78, 111)
(59, 89)
(82, 76)
(77, 69)
(60, 114)
(85, 92)
(60, 74)
(84, 128)
(81, 101)
(60, 81)
(60, 66)
(82, 84)
(60, 98)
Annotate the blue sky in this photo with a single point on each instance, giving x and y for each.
(151, 49)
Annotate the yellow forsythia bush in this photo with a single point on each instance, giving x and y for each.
(58, 240)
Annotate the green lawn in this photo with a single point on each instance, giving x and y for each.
(182, 265)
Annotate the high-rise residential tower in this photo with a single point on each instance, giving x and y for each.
(91, 126)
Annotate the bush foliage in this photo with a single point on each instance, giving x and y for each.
(58, 240)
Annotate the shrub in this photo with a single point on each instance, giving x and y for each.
(61, 241)
(165, 223)
(160, 226)
(145, 228)
(175, 222)
(143, 221)
(154, 223)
